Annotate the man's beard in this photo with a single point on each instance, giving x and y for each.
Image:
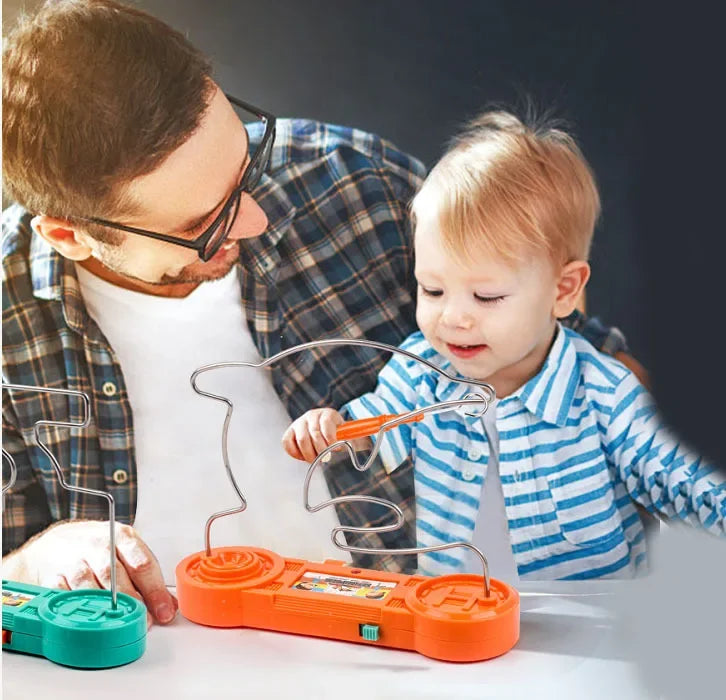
(189, 275)
(194, 273)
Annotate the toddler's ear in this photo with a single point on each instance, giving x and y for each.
(571, 283)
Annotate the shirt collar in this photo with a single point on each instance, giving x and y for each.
(548, 395)
(46, 269)
(449, 390)
(54, 279)
(260, 254)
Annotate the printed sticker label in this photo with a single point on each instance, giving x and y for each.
(15, 599)
(316, 582)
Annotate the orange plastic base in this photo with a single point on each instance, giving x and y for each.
(445, 617)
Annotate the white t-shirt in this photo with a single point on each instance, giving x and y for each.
(491, 530)
(159, 342)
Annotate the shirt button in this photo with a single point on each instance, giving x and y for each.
(120, 476)
(468, 475)
(109, 389)
(474, 454)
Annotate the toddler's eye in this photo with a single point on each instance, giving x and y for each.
(430, 292)
(488, 300)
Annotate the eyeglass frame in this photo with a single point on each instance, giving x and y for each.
(245, 185)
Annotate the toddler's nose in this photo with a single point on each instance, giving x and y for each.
(456, 318)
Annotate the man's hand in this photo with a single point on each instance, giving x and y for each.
(310, 434)
(76, 554)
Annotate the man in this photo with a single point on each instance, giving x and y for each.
(151, 242)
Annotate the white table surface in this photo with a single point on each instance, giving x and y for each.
(569, 647)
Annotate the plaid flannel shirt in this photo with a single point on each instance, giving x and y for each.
(336, 260)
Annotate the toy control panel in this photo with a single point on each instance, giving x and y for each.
(77, 628)
(446, 617)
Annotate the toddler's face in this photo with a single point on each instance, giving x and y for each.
(493, 320)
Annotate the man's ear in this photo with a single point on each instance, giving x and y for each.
(572, 281)
(63, 236)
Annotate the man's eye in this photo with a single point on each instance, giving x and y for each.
(430, 292)
(192, 233)
(488, 300)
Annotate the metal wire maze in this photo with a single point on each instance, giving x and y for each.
(13, 470)
(59, 472)
(478, 401)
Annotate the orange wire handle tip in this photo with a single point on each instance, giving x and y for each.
(370, 426)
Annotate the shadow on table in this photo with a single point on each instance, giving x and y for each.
(570, 635)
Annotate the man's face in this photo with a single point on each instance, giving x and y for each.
(188, 188)
(492, 320)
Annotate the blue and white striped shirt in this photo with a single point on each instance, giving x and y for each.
(579, 442)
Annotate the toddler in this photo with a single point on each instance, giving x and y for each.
(546, 482)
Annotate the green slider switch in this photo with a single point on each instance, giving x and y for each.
(369, 632)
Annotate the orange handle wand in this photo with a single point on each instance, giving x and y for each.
(370, 426)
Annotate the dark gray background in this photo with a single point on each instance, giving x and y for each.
(413, 70)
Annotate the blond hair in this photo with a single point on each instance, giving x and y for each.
(512, 189)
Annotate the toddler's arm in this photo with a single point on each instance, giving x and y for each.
(659, 471)
(310, 434)
(396, 392)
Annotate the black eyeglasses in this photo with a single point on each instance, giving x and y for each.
(209, 241)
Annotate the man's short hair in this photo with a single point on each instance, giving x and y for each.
(513, 189)
(95, 94)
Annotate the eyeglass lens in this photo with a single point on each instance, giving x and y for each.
(223, 230)
(251, 178)
(258, 167)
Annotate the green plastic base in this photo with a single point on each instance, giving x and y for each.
(74, 628)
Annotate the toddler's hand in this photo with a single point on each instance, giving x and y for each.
(310, 434)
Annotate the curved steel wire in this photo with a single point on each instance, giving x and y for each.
(57, 468)
(13, 470)
(481, 402)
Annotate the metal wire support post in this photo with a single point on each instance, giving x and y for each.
(478, 401)
(86, 402)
